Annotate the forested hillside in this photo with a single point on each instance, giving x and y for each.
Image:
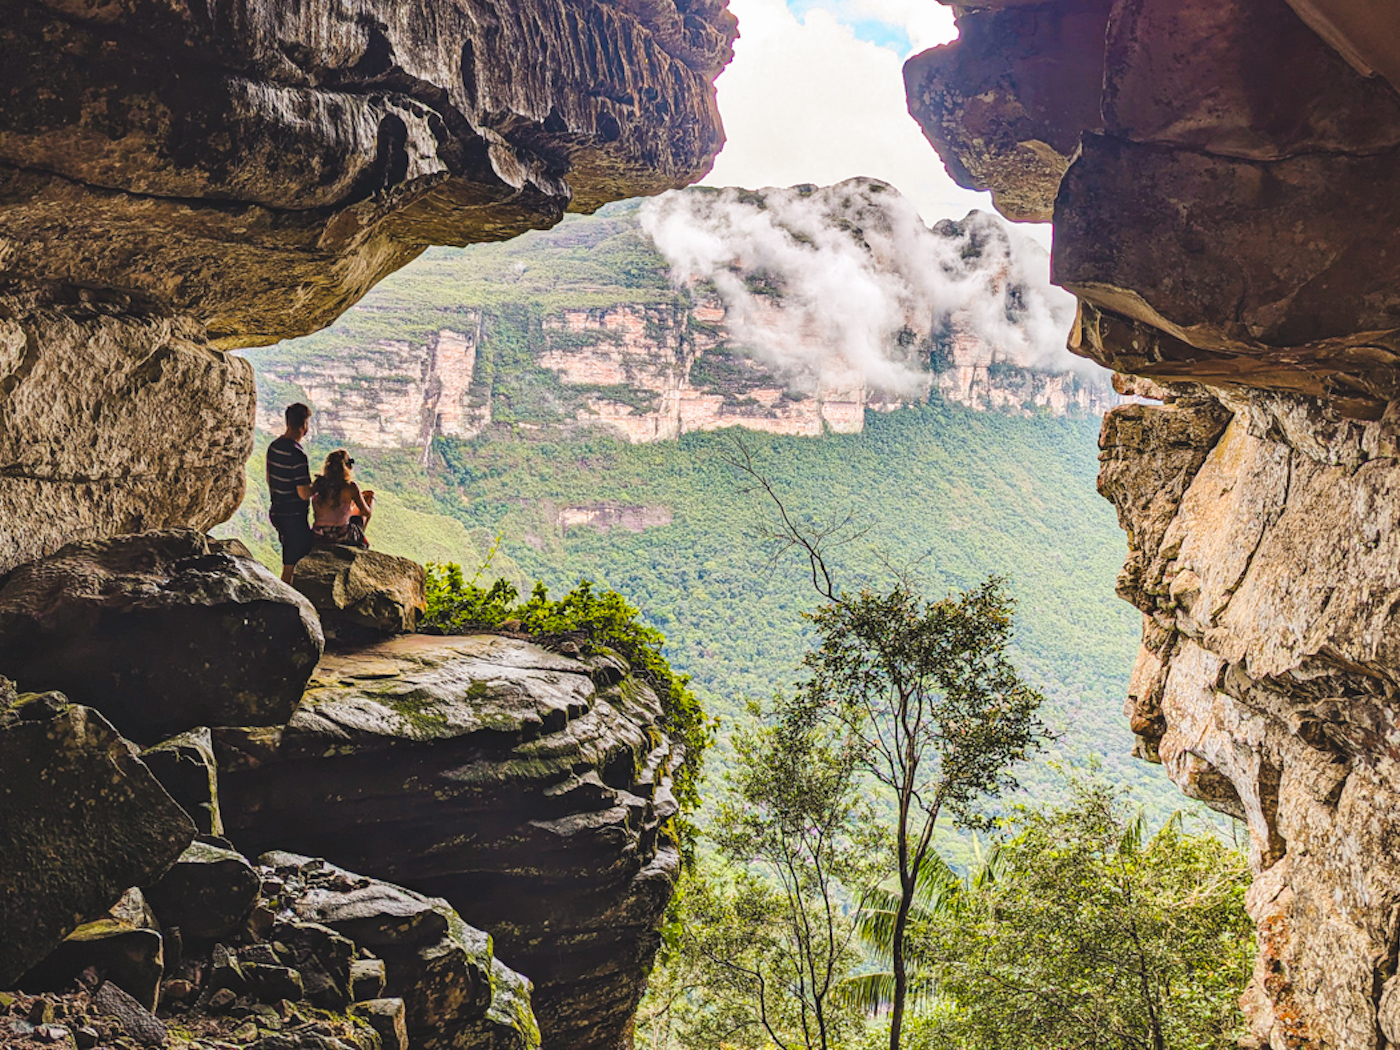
(951, 493)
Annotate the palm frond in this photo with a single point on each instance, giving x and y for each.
(874, 992)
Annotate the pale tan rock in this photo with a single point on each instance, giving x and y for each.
(362, 588)
(112, 422)
(1270, 584)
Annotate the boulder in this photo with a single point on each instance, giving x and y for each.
(366, 979)
(81, 820)
(324, 958)
(528, 789)
(185, 412)
(162, 631)
(208, 893)
(388, 1018)
(124, 946)
(366, 589)
(135, 1020)
(455, 994)
(185, 767)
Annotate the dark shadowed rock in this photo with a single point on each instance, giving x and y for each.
(159, 631)
(362, 589)
(124, 946)
(135, 1020)
(185, 767)
(208, 892)
(388, 1018)
(324, 958)
(81, 819)
(503, 778)
(457, 996)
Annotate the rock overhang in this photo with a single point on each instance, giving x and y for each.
(1217, 175)
(258, 166)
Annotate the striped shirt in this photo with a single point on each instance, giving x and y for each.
(286, 469)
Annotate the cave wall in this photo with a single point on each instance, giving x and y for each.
(180, 180)
(1221, 178)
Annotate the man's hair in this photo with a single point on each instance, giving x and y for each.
(296, 415)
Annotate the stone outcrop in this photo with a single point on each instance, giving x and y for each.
(186, 768)
(362, 590)
(1221, 183)
(529, 790)
(163, 631)
(81, 820)
(456, 994)
(178, 182)
(1265, 685)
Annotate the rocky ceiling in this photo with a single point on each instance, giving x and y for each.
(258, 165)
(1224, 181)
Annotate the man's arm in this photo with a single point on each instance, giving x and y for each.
(304, 482)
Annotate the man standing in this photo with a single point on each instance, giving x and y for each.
(289, 482)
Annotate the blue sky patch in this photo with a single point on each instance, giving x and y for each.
(888, 35)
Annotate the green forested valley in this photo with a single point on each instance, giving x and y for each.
(952, 494)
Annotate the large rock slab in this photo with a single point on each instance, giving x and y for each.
(162, 631)
(81, 820)
(113, 422)
(360, 589)
(498, 776)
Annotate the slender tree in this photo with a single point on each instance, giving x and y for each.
(925, 689)
(772, 933)
(940, 715)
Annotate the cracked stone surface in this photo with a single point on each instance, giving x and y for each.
(1263, 555)
(530, 790)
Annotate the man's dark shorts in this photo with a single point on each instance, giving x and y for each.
(295, 534)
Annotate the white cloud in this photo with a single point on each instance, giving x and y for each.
(805, 100)
(854, 267)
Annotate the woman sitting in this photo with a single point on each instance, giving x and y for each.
(342, 510)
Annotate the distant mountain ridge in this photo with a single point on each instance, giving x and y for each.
(615, 321)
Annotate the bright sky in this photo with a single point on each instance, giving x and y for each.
(816, 94)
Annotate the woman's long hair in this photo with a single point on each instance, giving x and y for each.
(334, 476)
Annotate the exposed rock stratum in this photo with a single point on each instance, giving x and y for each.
(528, 789)
(1221, 177)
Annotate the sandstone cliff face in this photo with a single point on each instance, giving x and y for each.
(1217, 175)
(615, 329)
(190, 181)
